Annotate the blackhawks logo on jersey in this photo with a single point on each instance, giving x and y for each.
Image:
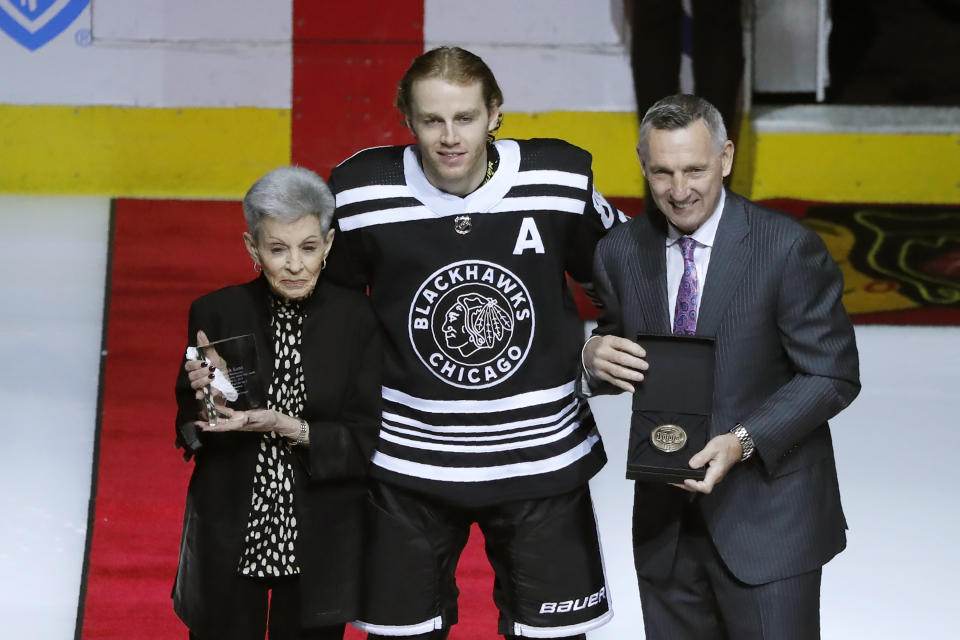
(471, 323)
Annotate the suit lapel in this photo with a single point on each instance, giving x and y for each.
(728, 260)
(648, 272)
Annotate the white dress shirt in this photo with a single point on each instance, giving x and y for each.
(704, 237)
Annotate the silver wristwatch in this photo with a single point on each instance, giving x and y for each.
(746, 442)
(302, 436)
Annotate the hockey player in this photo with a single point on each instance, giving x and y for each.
(464, 243)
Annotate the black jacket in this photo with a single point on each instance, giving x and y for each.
(341, 365)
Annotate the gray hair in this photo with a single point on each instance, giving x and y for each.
(679, 112)
(288, 194)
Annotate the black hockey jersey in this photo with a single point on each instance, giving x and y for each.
(483, 338)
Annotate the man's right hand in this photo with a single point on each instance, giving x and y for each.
(615, 360)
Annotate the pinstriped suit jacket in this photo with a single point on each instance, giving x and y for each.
(786, 362)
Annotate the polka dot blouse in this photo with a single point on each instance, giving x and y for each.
(269, 548)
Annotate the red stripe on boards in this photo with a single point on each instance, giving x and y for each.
(347, 60)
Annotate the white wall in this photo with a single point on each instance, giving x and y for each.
(175, 53)
(547, 54)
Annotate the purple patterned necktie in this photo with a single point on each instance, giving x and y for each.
(685, 314)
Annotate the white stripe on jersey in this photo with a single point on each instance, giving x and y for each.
(482, 474)
(539, 203)
(554, 423)
(478, 448)
(519, 401)
(506, 205)
(486, 428)
(552, 176)
(373, 192)
(385, 216)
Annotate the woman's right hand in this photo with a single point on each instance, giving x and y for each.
(200, 372)
(200, 375)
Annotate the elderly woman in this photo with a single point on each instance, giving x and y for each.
(273, 527)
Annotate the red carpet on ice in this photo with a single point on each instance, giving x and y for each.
(165, 254)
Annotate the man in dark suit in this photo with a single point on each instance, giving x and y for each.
(739, 553)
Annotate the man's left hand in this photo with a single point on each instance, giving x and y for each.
(720, 454)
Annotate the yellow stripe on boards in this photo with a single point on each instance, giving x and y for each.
(858, 167)
(139, 152)
(219, 152)
(610, 136)
(832, 167)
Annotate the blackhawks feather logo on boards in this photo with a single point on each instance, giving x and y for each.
(471, 324)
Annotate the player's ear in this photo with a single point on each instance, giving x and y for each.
(493, 123)
(409, 125)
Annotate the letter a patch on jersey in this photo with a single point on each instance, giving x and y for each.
(528, 238)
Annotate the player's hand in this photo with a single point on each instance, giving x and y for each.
(615, 360)
(719, 454)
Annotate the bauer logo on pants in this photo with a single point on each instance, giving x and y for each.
(471, 324)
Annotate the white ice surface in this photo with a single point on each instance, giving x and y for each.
(52, 260)
(894, 445)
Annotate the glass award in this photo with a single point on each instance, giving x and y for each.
(237, 383)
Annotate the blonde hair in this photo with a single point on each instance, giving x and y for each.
(454, 65)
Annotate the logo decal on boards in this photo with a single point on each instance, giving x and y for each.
(471, 324)
(34, 23)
